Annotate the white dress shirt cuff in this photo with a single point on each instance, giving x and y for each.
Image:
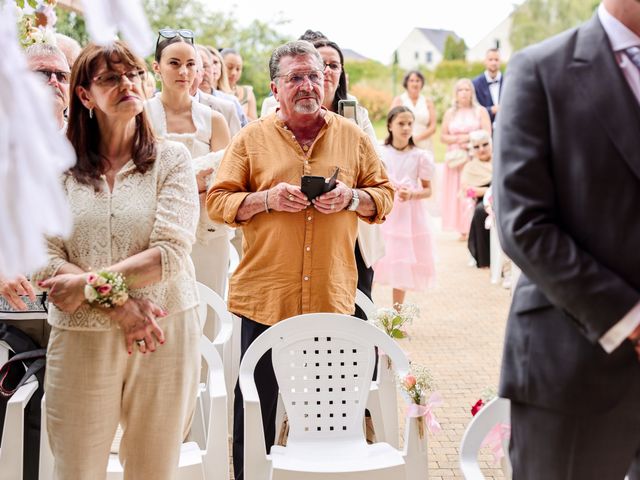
(621, 330)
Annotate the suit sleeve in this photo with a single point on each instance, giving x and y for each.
(527, 209)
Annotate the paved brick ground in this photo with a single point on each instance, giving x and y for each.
(459, 338)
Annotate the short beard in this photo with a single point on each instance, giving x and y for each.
(307, 106)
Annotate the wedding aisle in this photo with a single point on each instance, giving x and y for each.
(459, 338)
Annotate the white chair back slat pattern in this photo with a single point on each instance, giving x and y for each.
(324, 381)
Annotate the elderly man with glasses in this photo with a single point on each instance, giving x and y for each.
(298, 251)
(49, 61)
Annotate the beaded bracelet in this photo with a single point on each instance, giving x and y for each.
(107, 289)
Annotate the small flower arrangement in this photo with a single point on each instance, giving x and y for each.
(498, 434)
(487, 395)
(107, 289)
(393, 320)
(417, 384)
(36, 21)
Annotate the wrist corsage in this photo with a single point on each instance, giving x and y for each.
(107, 289)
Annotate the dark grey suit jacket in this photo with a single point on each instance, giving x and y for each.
(567, 193)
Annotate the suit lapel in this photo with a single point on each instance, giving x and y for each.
(603, 86)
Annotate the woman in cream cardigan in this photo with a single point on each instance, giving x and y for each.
(125, 330)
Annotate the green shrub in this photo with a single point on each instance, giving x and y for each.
(375, 100)
(448, 69)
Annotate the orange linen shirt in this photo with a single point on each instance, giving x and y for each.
(303, 262)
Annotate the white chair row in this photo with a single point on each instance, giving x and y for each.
(207, 456)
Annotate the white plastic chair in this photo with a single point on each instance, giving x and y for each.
(495, 412)
(323, 363)
(12, 449)
(496, 256)
(210, 463)
(223, 339)
(383, 401)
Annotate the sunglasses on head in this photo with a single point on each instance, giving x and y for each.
(172, 33)
(483, 145)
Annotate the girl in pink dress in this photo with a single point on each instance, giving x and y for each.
(465, 116)
(409, 260)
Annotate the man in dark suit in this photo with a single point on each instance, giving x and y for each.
(567, 198)
(488, 84)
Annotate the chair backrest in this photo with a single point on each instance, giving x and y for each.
(234, 259)
(323, 363)
(495, 412)
(210, 299)
(366, 305)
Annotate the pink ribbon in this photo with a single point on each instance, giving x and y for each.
(494, 440)
(414, 411)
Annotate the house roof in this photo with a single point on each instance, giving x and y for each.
(353, 55)
(438, 37)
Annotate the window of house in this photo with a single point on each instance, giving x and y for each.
(417, 55)
(429, 57)
(497, 42)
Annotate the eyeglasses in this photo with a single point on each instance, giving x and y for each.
(333, 66)
(112, 79)
(61, 77)
(483, 145)
(171, 33)
(297, 78)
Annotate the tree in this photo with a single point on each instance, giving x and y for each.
(72, 25)
(454, 49)
(536, 20)
(254, 42)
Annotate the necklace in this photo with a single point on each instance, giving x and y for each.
(401, 149)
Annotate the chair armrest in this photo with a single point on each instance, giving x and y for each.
(13, 432)
(256, 463)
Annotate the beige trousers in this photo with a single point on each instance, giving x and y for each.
(92, 384)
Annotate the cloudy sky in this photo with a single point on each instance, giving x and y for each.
(375, 28)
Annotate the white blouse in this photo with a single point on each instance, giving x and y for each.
(198, 143)
(156, 209)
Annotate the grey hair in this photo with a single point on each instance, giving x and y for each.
(478, 136)
(201, 48)
(44, 50)
(297, 48)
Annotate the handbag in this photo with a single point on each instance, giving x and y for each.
(456, 158)
(36, 310)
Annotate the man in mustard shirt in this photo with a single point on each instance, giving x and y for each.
(298, 254)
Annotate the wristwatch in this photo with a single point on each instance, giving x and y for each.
(355, 200)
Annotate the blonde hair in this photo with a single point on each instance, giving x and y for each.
(223, 81)
(474, 101)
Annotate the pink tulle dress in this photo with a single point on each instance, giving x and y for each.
(455, 210)
(409, 262)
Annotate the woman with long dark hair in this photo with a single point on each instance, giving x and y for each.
(177, 116)
(125, 330)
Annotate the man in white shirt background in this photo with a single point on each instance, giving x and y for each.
(567, 201)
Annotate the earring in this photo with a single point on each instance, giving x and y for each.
(90, 112)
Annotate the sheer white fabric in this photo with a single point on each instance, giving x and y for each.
(105, 18)
(33, 155)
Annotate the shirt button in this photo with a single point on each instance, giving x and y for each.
(306, 162)
(306, 279)
(305, 148)
(308, 249)
(309, 218)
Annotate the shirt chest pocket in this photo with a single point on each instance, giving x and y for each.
(346, 175)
